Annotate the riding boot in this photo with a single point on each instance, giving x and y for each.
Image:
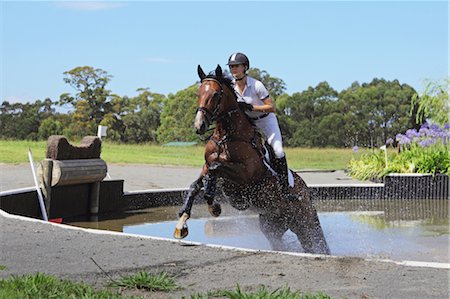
(280, 166)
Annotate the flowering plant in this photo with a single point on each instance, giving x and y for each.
(426, 150)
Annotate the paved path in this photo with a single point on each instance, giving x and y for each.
(142, 177)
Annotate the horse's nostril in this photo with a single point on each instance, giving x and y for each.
(201, 130)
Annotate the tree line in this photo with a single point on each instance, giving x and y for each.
(364, 114)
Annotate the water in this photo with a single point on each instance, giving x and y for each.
(398, 230)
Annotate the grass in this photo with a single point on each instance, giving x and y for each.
(44, 286)
(2, 267)
(262, 293)
(161, 282)
(40, 286)
(14, 152)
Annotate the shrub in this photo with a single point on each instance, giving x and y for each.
(424, 151)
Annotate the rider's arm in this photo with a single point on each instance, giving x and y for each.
(267, 107)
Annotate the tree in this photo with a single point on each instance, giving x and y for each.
(22, 121)
(177, 116)
(434, 103)
(50, 126)
(307, 110)
(275, 86)
(141, 116)
(375, 111)
(92, 98)
(81, 124)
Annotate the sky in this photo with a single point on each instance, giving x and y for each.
(158, 45)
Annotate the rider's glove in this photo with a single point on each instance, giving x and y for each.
(245, 107)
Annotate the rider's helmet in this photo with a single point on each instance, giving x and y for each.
(239, 58)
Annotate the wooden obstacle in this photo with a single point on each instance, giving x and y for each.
(72, 165)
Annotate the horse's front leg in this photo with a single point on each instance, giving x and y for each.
(181, 229)
(210, 182)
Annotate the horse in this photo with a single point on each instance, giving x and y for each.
(234, 158)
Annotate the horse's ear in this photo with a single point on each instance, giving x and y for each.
(201, 73)
(218, 71)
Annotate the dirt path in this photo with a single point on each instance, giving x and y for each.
(29, 245)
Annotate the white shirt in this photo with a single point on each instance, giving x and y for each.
(254, 93)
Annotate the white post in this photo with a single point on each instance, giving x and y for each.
(38, 189)
(385, 154)
(101, 132)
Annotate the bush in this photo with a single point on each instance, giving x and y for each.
(425, 151)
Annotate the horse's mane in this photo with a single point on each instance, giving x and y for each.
(228, 82)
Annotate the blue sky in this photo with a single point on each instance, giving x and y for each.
(157, 45)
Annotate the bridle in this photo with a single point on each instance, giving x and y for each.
(213, 116)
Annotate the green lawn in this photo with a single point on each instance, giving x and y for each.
(43, 286)
(298, 158)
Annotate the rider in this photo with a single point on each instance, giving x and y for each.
(255, 100)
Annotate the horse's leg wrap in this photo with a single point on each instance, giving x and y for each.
(210, 181)
(189, 199)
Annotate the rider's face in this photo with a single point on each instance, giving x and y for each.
(237, 70)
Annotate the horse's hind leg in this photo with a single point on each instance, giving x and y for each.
(306, 225)
(273, 229)
(305, 221)
(309, 232)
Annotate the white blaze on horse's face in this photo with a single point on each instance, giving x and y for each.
(199, 120)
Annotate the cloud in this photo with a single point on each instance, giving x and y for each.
(158, 60)
(89, 5)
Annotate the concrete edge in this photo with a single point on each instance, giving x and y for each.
(15, 191)
(155, 190)
(434, 265)
(361, 185)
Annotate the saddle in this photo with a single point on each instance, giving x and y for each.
(265, 150)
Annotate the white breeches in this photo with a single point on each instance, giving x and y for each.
(269, 125)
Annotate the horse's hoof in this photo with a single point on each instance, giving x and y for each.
(180, 233)
(215, 209)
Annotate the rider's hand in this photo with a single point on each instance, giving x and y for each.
(245, 107)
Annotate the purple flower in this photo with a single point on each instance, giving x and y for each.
(425, 125)
(446, 126)
(424, 131)
(434, 127)
(389, 141)
(426, 142)
(355, 149)
(402, 139)
(411, 133)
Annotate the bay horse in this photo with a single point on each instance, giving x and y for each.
(233, 155)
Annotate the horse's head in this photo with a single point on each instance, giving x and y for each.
(210, 95)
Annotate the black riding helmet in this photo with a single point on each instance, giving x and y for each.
(239, 58)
